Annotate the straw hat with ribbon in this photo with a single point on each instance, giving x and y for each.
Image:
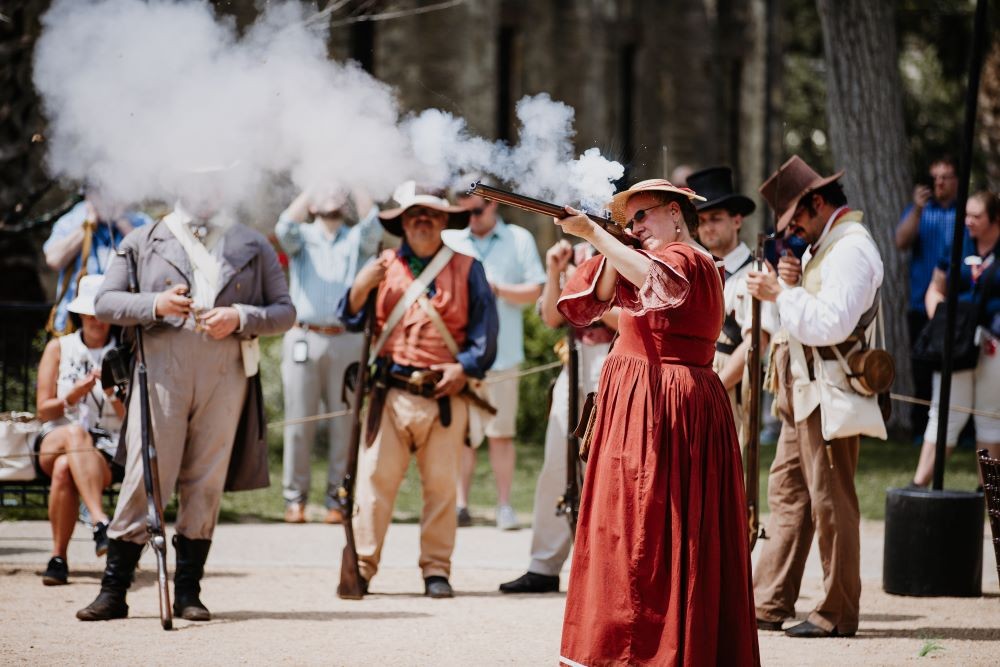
(620, 200)
(793, 180)
(411, 194)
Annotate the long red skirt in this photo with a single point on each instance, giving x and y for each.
(661, 567)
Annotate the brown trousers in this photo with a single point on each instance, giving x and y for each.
(411, 425)
(805, 496)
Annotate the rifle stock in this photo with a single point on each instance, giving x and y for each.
(545, 208)
(569, 502)
(751, 463)
(150, 467)
(351, 586)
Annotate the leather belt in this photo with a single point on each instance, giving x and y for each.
(414, 384)
(333, 330)
(425, 389)
(826, 352)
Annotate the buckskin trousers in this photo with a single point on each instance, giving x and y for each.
(411, 425)
(196, 392)
(805, 496)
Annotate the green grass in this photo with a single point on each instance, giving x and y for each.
(884, 465)
(267, 504)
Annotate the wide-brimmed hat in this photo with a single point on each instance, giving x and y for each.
(715, 184)
(83, 304)
(410, 194)
(789, 184)
(620, 200)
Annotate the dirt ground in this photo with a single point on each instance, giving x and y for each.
(272, 587)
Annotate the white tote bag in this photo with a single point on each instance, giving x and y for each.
(17, 435)
(843, 411)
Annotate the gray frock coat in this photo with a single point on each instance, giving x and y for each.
(251, 276)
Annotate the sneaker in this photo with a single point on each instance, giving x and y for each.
(464, 518)
(295, 513)
(101, 538)
(56, 573)
(532, 582)
(507, 518)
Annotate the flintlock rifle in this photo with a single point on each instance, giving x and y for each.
(751, 463)
(351, 585)
(545, 208)
(569, 502)
(150, 467)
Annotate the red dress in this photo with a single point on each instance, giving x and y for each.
(661, 564)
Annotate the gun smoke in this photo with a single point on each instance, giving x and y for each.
(142, 97)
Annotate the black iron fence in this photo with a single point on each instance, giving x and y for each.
(22, 341)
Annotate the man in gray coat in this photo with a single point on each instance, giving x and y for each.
(208, 286)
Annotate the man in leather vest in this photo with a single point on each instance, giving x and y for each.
(720, 218)
(825, 312)
(435, 327)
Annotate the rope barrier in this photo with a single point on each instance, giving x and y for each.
(506, 376)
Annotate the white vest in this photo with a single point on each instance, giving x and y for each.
(76, 360)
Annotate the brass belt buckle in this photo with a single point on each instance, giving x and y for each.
(420, 383)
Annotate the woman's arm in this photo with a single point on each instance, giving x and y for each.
(633, 266)
(936, 291)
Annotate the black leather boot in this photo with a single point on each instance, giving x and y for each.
(191, 555)
(110, 602)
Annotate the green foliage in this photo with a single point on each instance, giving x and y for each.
(533, 402)
(930, 646)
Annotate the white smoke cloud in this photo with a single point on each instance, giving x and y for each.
(140, 94)
(540, 165)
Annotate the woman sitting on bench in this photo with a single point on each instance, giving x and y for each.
(81, 420)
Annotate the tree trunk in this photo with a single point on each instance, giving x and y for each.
(989, 114)
(865, 113)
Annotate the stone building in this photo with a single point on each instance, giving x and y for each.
(655, 83)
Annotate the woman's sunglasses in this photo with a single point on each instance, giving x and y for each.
(640, 215)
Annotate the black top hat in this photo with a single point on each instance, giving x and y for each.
(715, 184)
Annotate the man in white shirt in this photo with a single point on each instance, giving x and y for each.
(720, 218)
(823, 309)
(514, 271)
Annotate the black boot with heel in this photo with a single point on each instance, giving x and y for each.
(191, 556)
(110, 603)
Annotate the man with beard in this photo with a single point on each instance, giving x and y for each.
(826, 315)
(435, 327)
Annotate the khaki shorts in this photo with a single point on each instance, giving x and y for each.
(502, 387)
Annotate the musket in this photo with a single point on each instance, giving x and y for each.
(351, 586)
(545, 208)
(751, 456)
(150, 467)
(569, 502)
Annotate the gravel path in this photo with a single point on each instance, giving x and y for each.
(271, 588)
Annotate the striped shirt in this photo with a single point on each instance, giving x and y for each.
(937, 225)
(322, 267)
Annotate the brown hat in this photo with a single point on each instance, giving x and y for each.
(789, 184)
(620, 200)
(411, 194)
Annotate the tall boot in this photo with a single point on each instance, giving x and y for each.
(191, 555)
(110, 602)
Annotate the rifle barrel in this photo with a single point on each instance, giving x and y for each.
(546, 208)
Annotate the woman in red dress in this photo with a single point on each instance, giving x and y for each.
(661, 566)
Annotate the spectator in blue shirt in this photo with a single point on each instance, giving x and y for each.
(324, 258)
(64, 248)
(925, 229)
(977, 388)
(515, 273)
